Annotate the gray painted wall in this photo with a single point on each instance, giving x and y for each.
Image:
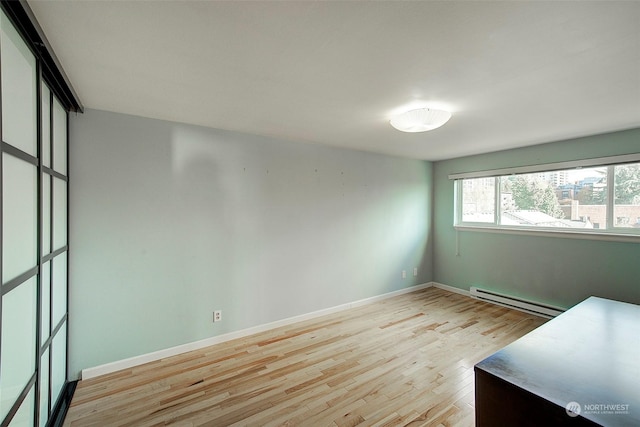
(169, 222)
(554, 270)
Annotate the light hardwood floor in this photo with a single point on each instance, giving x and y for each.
(404, 361)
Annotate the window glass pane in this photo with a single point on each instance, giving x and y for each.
(566, 199)
(59, 138)
(45, 292)
(58, 363)
(18, 89)
(585, 203)
(17, 343)
(46, 125)
(44, 388)
(626, 208)
(19, 216)
(25, 415)
(59, 213)
(59, 288)
(478, 200)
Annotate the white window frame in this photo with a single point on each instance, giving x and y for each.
(610, 232)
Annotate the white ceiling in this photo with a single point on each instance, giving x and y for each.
(512, 73)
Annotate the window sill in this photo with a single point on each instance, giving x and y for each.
(565, 234)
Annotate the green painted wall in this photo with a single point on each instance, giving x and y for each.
(558, 271)
(170, 222)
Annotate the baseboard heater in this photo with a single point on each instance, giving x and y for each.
(515, 303)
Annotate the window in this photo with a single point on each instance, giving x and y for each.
(594, 200)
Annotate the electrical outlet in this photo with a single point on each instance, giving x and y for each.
(415, 272)
(217, 316)
(404, 274)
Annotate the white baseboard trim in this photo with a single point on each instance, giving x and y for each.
(451, 289)
(196, 345)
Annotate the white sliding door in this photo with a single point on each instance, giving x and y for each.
(33, 230)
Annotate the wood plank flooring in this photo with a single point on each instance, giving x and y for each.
(404, 361)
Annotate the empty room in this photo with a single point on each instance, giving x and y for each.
(319, 213)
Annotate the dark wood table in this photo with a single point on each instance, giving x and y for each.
(588, 356)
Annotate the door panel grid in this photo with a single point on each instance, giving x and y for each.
(33, 230)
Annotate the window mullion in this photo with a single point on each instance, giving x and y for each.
(610, 196)
(498, 197)
(458, 201)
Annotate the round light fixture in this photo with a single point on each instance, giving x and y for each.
(420, 120)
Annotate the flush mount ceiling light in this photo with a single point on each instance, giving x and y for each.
(420, 120)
